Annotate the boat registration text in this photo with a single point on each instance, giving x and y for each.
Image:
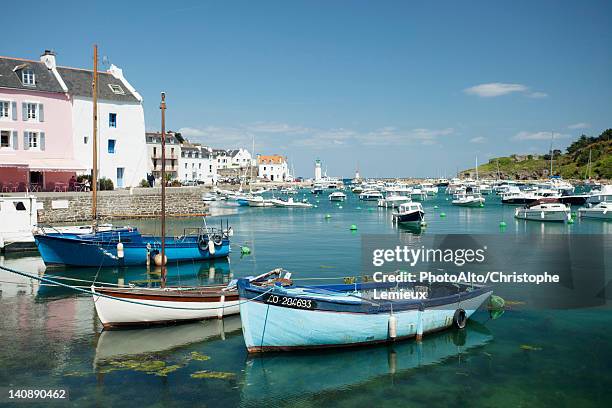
(292, 302)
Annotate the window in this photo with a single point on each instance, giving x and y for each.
(28, 77)
(111, 145)
(85, 139)
(185, 165)
(5, 138)
(32, 110)
(117, 89)
(33, 140)
(4, 109)
(19, 206)
(112, 120)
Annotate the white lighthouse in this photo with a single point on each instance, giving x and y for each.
(317, 170)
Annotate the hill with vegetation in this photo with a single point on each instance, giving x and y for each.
(573, 164)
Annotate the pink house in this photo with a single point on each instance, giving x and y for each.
(36, 140)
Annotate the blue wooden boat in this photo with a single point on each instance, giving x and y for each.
(102, 249)
(279, 318)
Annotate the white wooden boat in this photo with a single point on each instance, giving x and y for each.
(544, 210)
(601, 211)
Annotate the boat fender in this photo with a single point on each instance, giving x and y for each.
(542, 214)
(217, 239)
(392, 326)
(211, 247)
(203, 242)
(230, 232)
(120, 250)
(460, 318)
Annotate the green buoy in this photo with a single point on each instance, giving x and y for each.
(442, 214)
(327, 216)
(570, 221)
(353, 227)
(245, 250)
(435, 207)
(358, 208)
(502, 224)
(340, 207)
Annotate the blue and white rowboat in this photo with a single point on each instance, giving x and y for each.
(299, 317)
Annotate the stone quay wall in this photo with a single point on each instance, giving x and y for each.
(135, 203)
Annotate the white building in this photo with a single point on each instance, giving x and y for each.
(272, 168)
(317, 176)
(232, 159)
(154, 154)
(196, 164)
(121, 136)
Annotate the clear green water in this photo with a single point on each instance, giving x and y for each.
(51, 338)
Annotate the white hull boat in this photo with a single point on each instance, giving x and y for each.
(18, 217)
(290, 203)
(259, 201)
(544, 211)
(468, 201)
(370, 195)
(337, 196)
(601, 211)
(393, 201)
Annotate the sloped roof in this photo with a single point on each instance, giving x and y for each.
(11, 78)
(79, 83)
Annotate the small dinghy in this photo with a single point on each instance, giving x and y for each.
(282, 316)
(409, 213)
(337, 196)
(544, 210)
(289, 203)
(601, 211)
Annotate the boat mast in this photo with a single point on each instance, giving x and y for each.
(162, 106)
(552, 137)
(94, 173)
(476, 168)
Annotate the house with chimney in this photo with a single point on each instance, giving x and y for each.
(273, 167)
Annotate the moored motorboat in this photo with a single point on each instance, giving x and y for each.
(281, 318)
(471, 198)
(259, 201)
(337, 196)
(370, 195)
(409, 213)
(393, 201)
(549, 209)
(289, 203)
(600, 211)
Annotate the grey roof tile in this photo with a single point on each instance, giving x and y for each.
(45, 80)
(79, 83)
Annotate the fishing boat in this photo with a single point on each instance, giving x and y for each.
(409, 213)
(134, 306)
(286, 317)
(289, 203)
(371, 195)
(600, 211)
(470, 198)
(337, 196)
(548, 209)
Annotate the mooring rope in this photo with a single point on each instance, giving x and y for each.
(93, 293)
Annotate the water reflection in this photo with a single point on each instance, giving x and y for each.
(273, 377)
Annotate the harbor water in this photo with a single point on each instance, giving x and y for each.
(51, 337)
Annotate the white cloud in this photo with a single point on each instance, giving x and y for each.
(538, 136)
(191, 132)
(478, 139)
(495, 89)
(581, 125)
(275, 127)
(393, 136)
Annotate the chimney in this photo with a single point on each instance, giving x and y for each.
(48, 57)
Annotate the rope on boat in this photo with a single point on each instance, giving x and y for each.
(92, 292)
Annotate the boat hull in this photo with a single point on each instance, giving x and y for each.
(470, 203)
(138, 309)
(597, 214)
(65, 250)
(538, 215)
(271, 327)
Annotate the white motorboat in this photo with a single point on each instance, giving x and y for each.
(418, 194)
(470, 198)
(429, 189)
(18, 217)
(514, 196)
(409, 213)
(259, 201)
(289, 203)
(485, 189)
(209, 197)
(601, 211)
(337, 196)
(544, 210)
(393, 201)
(357, 189)
(370, 195)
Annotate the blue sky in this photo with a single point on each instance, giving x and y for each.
(402, 88)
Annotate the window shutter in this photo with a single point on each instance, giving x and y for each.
(24, 111)
(26, 140)
(41, 141)
(14, 109)
(15, 140)
(41, 113)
